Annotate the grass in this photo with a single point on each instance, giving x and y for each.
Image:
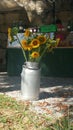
(16, 115)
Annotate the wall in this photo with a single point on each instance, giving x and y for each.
(6, 20)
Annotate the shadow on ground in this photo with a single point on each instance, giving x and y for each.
(59, 87)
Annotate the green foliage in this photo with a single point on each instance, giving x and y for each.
(14, 31)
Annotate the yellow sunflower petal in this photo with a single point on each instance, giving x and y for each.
(35, 55)
(27, 33)
(29, 47)
(24, 44)
(42, 39)
(57, 41)
(9, 30)
(35, 43)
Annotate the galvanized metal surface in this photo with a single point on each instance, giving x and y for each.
(30, 83)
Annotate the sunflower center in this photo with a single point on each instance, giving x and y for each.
(35, 42)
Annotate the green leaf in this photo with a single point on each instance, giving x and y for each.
(14, 31)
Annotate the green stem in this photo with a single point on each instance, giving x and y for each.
(22, 48)
(47, 47)
(42, 54)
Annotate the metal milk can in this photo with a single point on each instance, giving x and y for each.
(30, 81)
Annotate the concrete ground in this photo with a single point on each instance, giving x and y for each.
(56, 94)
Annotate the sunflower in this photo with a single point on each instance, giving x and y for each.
(42, 39)
(9, 34)
(35, 54)
(24, 44)
(35, 43)
(27, 33)
(29, 47)
(33, 46)
(9, 31)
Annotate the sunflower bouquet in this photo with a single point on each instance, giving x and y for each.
(33, 45)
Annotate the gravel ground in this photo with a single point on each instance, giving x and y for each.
(56, 94)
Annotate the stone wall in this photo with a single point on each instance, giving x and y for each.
(6, 20)
(65, 16)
